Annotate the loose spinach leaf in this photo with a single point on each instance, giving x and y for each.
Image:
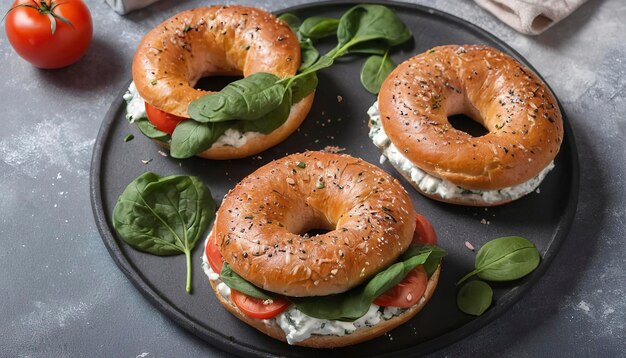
(364, 23)
(303, 86)
(474, 298)
(269, 122)
(374, 47)
(374, 71)
(309, 54)
(164, 215)
(234, 281)
(352, 305)
(291, 20)
(505, 259)
(150, 131)
(191, 137)
(249, 98)
(319, 27)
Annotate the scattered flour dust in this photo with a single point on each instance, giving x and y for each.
(583, 306)
(51, 143)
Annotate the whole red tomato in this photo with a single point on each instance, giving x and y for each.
(49, 33)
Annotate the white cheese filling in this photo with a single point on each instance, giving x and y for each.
(436, 186)
(298, 326)
(136, 109)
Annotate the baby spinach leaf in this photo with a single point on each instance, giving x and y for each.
(374, 47)
(234, 281)
(150, 131)
(474, 298)
(246, 99)
(191, 137)
(353, 304)
(291, 20)
(269, 122)
(505, 259)
(374, 71)
(164, 215)
(303, 86)
(309, 54)
(364, 23)
(319, 27)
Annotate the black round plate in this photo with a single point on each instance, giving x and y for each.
(543, 217)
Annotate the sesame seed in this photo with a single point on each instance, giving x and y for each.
(290, 181)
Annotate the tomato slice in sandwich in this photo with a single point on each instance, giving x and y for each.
(411, 289)
(163, 121)
(213, 254)
(256, 307)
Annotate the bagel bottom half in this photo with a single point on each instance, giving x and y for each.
(272, 329)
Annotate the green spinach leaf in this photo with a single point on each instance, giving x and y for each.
(505, 259)
(249, 98)
(353, 304)
(364, 23)
(150, 131)
(269, 122)
(191, 137)
(303, 86)
(319, 27)
(309, 54)
(234, 281)
(474, 298)
(291, 20)
(374, 71)
(164, 215)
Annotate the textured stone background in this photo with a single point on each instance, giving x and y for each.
(76, 302)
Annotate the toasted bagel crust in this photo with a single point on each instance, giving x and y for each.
(261, 221)
(272, 329)
(515, 106)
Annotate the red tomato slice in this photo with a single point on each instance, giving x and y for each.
(213, 254)
(424, 232)
(258, 308)
(408, 292)
(163, 121)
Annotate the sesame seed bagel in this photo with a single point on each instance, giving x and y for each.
(217, 41)
(261, 222)
(272, 329)
(524, 123)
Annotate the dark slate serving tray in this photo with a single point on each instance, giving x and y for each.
(543, 217)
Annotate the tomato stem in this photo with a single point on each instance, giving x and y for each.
(45, 9)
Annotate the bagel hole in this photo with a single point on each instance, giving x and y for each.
(315, 232)
(215, 83)
(466, 124)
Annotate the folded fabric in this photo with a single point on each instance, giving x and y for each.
(125, 6)
(530, 17)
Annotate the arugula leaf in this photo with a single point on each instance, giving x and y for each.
(234, 281)
(249, 98)
(353, 304)
(164, 215)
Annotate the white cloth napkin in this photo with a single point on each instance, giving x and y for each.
(530, 17)
(125, 6)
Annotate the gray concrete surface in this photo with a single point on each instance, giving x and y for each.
(61, 295)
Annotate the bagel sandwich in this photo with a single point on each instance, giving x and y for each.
(375, 268)
(409, 124)
(213, 41)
